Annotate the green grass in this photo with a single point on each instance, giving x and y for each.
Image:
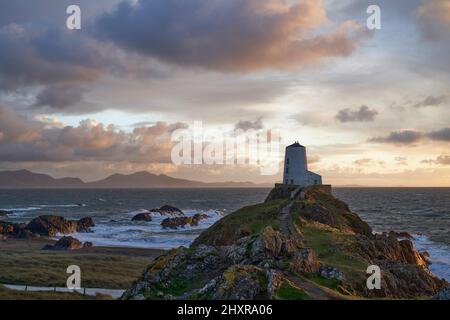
(324, 282)
(243, 222)
(330, 248)
(176, 287)
(47, 268)
(289, 292)
(8, 294)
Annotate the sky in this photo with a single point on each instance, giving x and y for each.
(371, 106)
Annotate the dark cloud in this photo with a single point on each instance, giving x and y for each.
(232, 35)
(430, 101)
(440, 135)
(399, 137)
(59, 96)
(364, 114)
(249, 125)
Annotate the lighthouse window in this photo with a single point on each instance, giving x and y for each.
(287, 161)
(287, 170)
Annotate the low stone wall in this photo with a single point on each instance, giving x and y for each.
(323, 187)
(283, 191)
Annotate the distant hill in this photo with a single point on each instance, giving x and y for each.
(27, 179)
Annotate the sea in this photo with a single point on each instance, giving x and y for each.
(423, 212)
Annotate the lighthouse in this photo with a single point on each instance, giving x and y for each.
(296, 168)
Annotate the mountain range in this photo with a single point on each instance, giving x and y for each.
(27, 179)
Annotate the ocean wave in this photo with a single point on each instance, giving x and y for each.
(61, 205)
(147, 234)
(439, 254)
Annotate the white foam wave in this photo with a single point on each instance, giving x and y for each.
(143, 234)
(439, 253)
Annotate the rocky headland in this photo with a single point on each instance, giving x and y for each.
(295, 245)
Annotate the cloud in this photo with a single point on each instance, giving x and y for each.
(434, 17)
(440, 160)
(440, 135)
(431, 101)
(367, 162)
(32, 140)
(59, 96)
(364, 114)
(401, 161)
(249, 125)
(233, 35)
(399, 137)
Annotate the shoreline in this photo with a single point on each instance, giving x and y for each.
(39, 243)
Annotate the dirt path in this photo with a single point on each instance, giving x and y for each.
(315, 291)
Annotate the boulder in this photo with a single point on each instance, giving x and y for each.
(50, 226)
(199, 217)
(15, 230)
(88, 245)
(426, 257)
(85, 224)
(168, 210)
(174, 223)
(400, 235)
(65, 243)
(146, 216)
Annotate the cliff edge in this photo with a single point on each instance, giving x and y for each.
(310, 248)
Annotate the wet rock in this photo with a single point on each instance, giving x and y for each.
(65, 243)
(426, 257)
(146, 216)
(15, 230)
(168, 210)
(85, 224)
(88, 245)
(50, 226)
(401, 235)
(175, 223)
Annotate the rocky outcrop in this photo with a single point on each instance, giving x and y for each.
(168, 210)
(250, 254)
(68, 243)
(175, 223)
(15, 230)
(145, 216)
(85, 224)
(50, 226)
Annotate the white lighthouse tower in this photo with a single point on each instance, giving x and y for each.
(296, 168)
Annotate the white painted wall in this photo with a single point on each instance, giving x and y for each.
(296, 168)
